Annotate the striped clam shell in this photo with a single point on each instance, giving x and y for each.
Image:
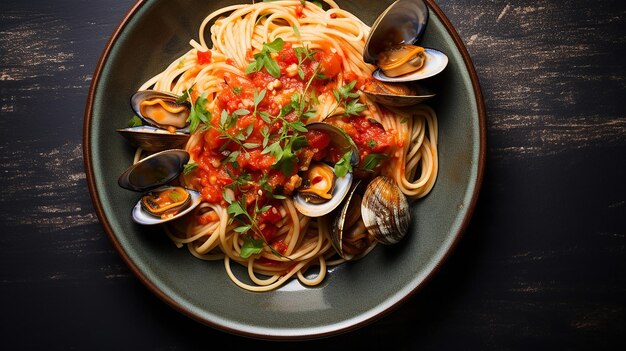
(385, 211)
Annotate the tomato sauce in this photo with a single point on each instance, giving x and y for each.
(369, 135)
(232, 151)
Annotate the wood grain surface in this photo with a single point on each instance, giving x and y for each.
(541, 266)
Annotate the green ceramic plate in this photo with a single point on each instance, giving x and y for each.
(152, 35)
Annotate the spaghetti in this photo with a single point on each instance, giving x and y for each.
(272, 69)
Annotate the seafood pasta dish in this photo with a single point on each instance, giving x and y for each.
(265, 145)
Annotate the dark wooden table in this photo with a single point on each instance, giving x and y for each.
(541, 266)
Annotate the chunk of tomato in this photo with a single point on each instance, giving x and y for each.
(204, 57)
(330, 63)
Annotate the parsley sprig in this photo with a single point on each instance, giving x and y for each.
(348, 100)
(237, 209)
(302, 54)
(263, 59)
(198, 112)
(289, 138)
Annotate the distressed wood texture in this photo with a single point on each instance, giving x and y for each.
(542, 264)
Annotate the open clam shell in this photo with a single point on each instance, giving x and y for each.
(436, 61)
(154, 139)
(302, 201)
(397, 94)
(142, 216)
(151, 176)
(318, 209)
(341, 219)
(155, 170)
(404, 21)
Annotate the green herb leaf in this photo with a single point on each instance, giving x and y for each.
(184, 96)
(198, 113)
(251, 145)
(264, 209)
(235, 209)
(372, 160)
(348, 99)
(297, 32)
(276, 45)
(298, 126)
(251, 247)
(190, 167)
(298, 142)
(264, 58)
(344, 92)
(343, 166)
(135, 122)
(243, 229)
(231, 158)
(353, 107)
(271, 66)
(265, 116)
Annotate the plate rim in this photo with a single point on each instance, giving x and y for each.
(104, 222)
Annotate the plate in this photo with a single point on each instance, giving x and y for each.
(352, 295)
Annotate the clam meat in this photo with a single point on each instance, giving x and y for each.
(176, 208)
(401, 59)
(161, 110)
(165, 121)
(166, 201)
(316, 203)
(318, 183)
(430, 64)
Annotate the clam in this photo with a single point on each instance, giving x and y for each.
(154, 139)
(166, 201)
(385, 210)
(321, 190)
(431, 64)
(165, 204)
(381, 211)
(165, 120)
(397, 94)
(391, 44)
(160, 201)
(346, 225)
(404, 21)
